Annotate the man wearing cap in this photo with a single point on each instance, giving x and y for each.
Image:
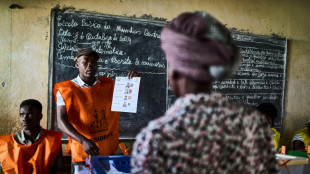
(301, 138)
(84, 109)
(202, 132)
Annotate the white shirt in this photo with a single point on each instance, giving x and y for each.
(78, 81)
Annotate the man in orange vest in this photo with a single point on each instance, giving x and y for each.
(33, 149)
(84, 109)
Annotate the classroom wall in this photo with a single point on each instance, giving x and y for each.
(25, 38)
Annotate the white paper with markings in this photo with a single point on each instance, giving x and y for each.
(125, 95)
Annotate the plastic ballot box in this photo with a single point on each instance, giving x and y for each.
(109, 164)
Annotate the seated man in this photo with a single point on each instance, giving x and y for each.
(270, 112)
(33, 149)
(301, 138)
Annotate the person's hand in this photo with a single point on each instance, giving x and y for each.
(132, 74)
(90, 147)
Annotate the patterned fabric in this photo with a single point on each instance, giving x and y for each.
(192, 56)
(199, 46)
(301, 135)
(205, 134)
(297, 137)
(21, 138)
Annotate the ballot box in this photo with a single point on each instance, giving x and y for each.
(116, 164)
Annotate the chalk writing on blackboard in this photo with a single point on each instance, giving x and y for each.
(132, 44)
(261, 76)
(123, 44)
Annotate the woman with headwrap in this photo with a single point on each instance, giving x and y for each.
(203, 132)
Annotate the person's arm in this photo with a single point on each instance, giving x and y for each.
(62, 118)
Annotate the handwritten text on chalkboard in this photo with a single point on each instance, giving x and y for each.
(126, 44)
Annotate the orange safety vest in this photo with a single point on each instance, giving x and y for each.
(35, 158)
(89, 112)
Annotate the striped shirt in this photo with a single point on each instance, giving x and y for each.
(296, 137)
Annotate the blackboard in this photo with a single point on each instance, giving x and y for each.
(127, 44)
(123, 44)
(261, 75)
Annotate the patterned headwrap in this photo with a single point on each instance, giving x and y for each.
(197, 45)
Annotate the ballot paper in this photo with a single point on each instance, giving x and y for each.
(125, 95)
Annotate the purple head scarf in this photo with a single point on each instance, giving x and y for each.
(194, 43)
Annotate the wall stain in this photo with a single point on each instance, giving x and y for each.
(46, 36)
(64, 8)
(144, 16)
(248, 32)
(238, 30)
(15, 6)
(150, 17)
(275, 35)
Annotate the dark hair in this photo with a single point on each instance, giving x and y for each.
(86, 52)
(268, 109)
(32, 102)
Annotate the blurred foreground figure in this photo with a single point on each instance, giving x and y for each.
(203, 132)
